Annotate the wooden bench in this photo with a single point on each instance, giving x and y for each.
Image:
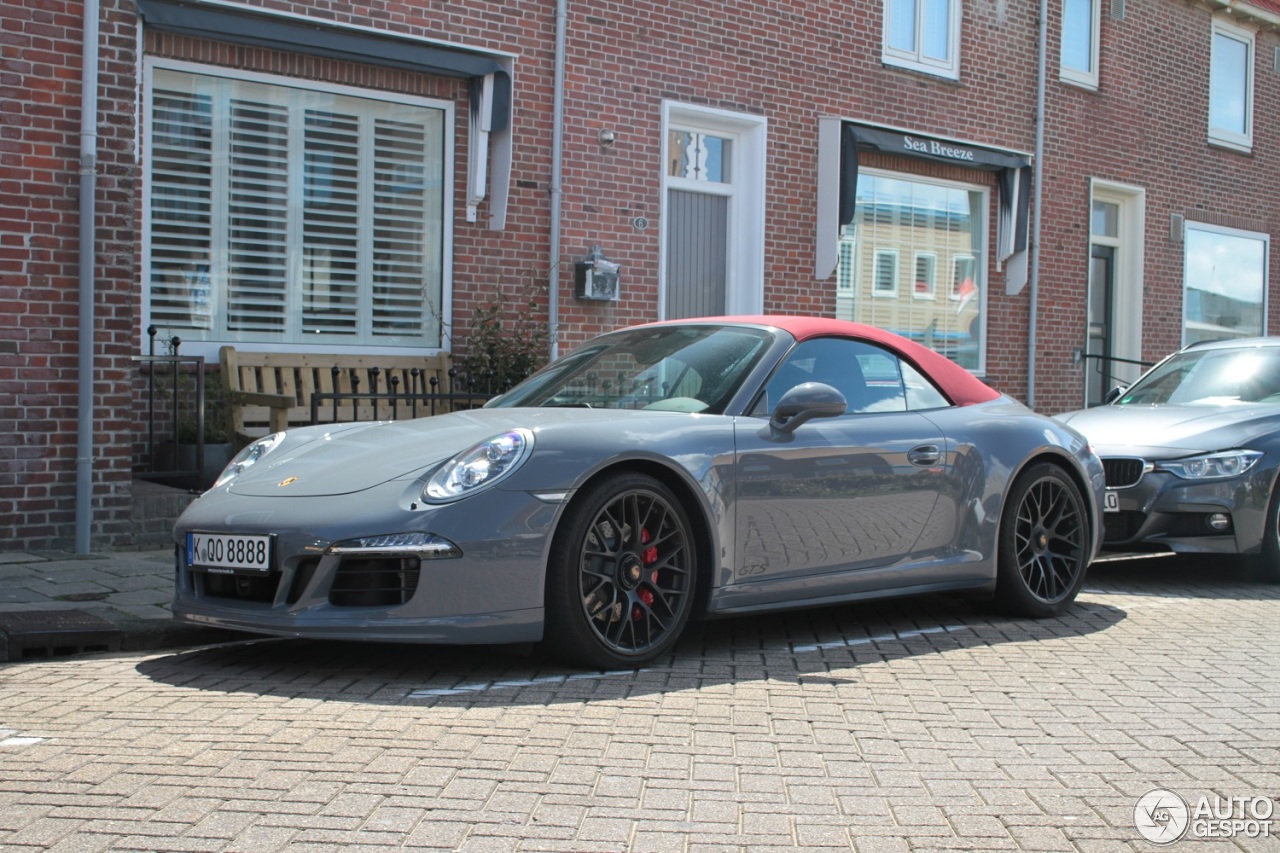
(272, 391)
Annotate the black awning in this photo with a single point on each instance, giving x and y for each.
(1014, 177)
(315, 37)
(927, 147)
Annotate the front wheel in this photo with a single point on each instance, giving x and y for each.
(1044, 544)
(620, 580)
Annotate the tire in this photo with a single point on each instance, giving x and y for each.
(1044, 544)
(620, 580)
(1265, 567)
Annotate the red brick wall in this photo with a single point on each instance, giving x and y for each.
(39, 299)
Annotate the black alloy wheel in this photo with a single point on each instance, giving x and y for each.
(620, 582)
(1044, 544)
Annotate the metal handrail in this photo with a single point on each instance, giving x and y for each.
(173, 366)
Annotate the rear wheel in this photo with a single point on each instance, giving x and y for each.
(620, 580)
(1044, 544)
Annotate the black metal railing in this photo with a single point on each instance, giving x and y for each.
(420, 396)
(175, 412)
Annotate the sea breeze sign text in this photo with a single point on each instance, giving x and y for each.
(935, 148)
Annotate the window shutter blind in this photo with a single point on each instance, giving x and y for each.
(258, 212)
(181, 210)
(330, 224)
(281, 215)
(399, 228)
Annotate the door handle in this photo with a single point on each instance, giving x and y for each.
(926, 455)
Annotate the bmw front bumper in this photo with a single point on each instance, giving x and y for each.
(1164, 512)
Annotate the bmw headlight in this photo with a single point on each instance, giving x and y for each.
(247, 458)
(1212, 466)
(482, 465)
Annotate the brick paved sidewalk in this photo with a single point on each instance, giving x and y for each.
(54, 604)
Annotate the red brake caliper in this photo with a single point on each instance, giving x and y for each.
(649, 556)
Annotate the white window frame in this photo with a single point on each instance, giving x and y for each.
(876, 291)
(916, 60)
(744, 270)
(1221, 136)
(1086, 77)
(209, 349)
(1130, 247)
(932, 292)
(1260, 236)
(953, 292)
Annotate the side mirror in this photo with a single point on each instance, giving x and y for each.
(805, 402)
(1113, 395)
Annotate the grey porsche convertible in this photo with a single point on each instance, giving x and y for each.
(677, 470)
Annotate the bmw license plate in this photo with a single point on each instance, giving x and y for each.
(230, 552)
(1110, 501)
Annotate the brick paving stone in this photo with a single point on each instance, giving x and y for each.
(994, 734)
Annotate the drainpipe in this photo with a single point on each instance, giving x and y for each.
(87, 253)
(1037, 184)
(557, 157)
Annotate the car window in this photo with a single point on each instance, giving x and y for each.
(674, 368)
(921, 393)
(870, 378)
(1210, 377)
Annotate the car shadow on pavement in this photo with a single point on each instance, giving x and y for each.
(819, 646)
(1208, 576)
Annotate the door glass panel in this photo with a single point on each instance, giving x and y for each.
(1106, 217)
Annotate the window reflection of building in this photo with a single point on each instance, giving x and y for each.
(1225, 283)
(937, 226)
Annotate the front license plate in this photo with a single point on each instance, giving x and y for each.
(230, 552)
(1110, 502)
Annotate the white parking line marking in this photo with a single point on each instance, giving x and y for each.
(20, 741)
(482, 686)
(882, 638)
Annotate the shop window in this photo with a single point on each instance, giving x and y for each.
(280, 214)
(1224, 283)
(1231, 86)
(923, 35)
(1079, 61)
(940, 226)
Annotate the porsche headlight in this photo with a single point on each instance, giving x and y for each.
(482, 465)
(247, 458)
(1212, 466)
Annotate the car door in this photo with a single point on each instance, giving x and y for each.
(838, 494)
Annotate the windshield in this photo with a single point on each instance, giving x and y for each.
(671, 368)
(1211, 377)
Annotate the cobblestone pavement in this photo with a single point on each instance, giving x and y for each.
(913, 725)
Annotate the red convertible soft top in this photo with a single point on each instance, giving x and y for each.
(961, 386)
